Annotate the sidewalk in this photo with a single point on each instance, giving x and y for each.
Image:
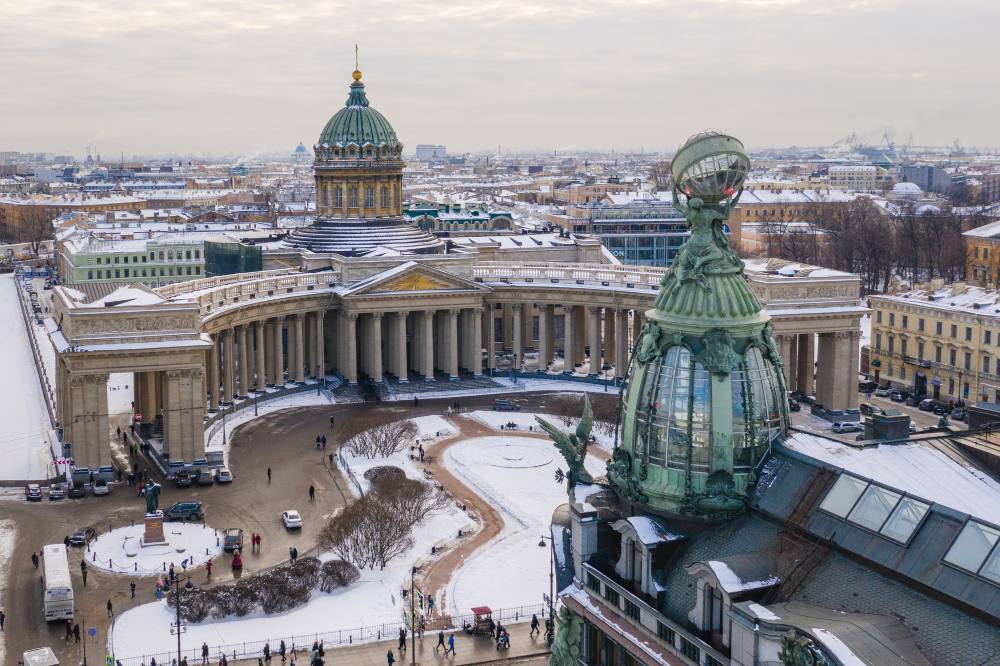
(468, 650)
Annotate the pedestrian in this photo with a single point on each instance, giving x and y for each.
(184, 661)
(295, 554)
(416, 401)
(258, 542)
(440, 643)
(76, 632)
(34, 559)
(331, 422)
(420, 448)
(171, 573)
(110, 612)
(324, 441)
(390, 657)
(534, 624)
(69, 630)
(208, 567)
(3, 616)
(402, 639)
(119, 430)
(269, 475)
(317, 441)
(66, 541)
(267, 652)
(451, 644)
(420, 629)
(331, 460)
(312, 493)
(204, 653)
(281, 651)
(430, 603)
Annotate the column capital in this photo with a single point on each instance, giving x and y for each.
(353, 316)
(516, 307)
(454, 311)
(279, 318)
(402, 314)
(377, 315)
(478, 311)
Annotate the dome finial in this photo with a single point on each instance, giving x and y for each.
(356, 74)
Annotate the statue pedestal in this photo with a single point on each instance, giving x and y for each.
(153, 536)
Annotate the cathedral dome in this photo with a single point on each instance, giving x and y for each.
(358, 123)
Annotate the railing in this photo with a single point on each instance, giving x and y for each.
(597, 583)
(632, 277)
(242, 288)
(29, 324)
(190, 286)
(330, 639)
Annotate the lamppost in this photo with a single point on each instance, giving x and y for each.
(604, 371)
(179, 627)
(513, 369)
(552, 570)
(413, 617)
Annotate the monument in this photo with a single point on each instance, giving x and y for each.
(153, 535)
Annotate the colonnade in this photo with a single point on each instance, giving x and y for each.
(834, 357)
(601, 336)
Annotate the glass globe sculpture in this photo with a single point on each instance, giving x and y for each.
(711, 166)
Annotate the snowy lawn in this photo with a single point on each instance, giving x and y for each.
(24, 422)
(517, 476)
(526, 421)
(119, 550)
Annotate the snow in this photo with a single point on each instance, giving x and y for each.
(730, 581)
(649, 531)
(24, 421)
(127, 296)
(119, 551)
(431, 427)
(526, 421)
(583, 598)
(915, 467)
(839, 649)
(516, 475)
(120, 391)
(763, 613)
(8, 534)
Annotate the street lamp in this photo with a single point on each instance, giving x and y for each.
(604, 370)
(513, 369)
(552, 554)
(179, 627)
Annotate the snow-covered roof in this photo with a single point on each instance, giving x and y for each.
(907, 188)
(953, 298)
(743, 573)
(649, 531)
(128, 296)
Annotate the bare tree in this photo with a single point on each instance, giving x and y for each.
(659, 173)
(36, 226)
(382, 440)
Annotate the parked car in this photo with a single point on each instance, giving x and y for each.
(502, 405)
(232, 539)
(798, 396)
(883, 392)
(76, 491)
(223, 475)
(191, 510)
(56, 492)
(868, 409)
(83, 536)
(913, 401)
(848, 426)
(100, 487)
(204, 478)
(291, 519)
(794, 405)
(33, 492)
(927, 405)
(896, 396)
(183, 479)
(940, 410)
(959, 414)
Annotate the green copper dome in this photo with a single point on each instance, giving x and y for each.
(358, 123)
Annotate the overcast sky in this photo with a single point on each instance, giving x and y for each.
(246, 76)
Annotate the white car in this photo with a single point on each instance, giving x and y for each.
(100, 487)
(291, 519)
(223, 475)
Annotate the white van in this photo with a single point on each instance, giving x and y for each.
(57, 603)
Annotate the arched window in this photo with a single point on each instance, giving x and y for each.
(385, 197)
(338, 197)
(352, 197)
(369, 197)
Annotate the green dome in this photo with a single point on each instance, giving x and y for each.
(358, 123)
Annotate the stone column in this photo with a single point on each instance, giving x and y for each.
(258, 327)
(622, 350)
(786, 344)
(489, 324)
(452, 347)
(376, 348)
(279, 352)
(476, 329)
(400, 360)
(517, 333)
(637, 321)
(149, 397)
(319, 349)
(594, 340)
(194, 432)
(850, 369)
(544, 337)
(427, 340)
(610, 344)
(172, 413)
(228, 365)
(350, 369)
(213, 374)
(244, 386)
(826, 372)
(806, 369)
(569, 343)
(300, 361)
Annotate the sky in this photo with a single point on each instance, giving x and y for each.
(245, 77)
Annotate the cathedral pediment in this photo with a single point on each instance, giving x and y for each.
(412, 277)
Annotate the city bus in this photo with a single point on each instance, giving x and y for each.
(56, 584)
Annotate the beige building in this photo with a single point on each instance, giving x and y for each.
(942, 341)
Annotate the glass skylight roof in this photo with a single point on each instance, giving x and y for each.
(873, 507)
(975, 550)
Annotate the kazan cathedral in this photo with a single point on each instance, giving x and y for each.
(721, 535)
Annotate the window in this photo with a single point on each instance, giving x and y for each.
(906, 321)
(937, 327)
(665, 633)
(920, 325)
(986, 364)
(878, 316)
(385, 197)
(90, 275)
(126, 259)
(352, 197)
(954, 331)
(369, 197)
(187, 255)
(892, 344)
(975, 550)
(873, 507)
(878, 342)
(968, 361)
(987, 336)
(631, 610)
(98, 260)
(197, 254)
(937, 354)
(116, 260)
(338, 197)
(968, 333)
(611, 596)
(903, 345)
(920, 351)
(892, 319)
(690, 650)
(951, 357)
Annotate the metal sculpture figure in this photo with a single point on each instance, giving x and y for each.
(573, 446)
(151, 491)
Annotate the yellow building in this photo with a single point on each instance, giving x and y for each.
(982, 255)
(942, 342)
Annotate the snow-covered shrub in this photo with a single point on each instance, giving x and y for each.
(382, 440)
(337, 573)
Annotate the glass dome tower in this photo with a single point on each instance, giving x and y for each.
(706, 395)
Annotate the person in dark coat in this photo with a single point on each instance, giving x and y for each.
(390, 658)
(402, 640)
(440, 642)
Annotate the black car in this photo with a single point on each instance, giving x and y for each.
(204, 477)
(185, 511)
(912, 401)
(76, 491)
(959, 414)
(502, 405)
(83, 536)
(183, 479)
(794, 405)
(940, 410)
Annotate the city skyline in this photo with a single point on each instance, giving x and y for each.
(229, 78)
